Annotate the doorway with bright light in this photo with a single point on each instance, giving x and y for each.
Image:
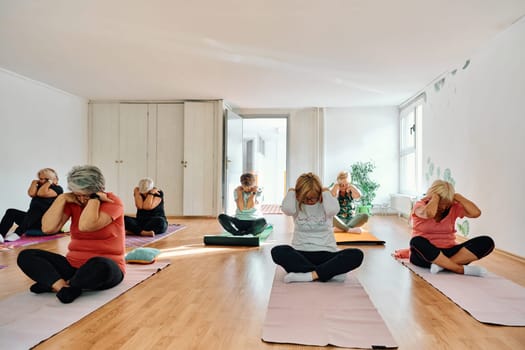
(264, 153)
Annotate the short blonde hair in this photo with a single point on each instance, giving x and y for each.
(305, 184)
(445, 190)
(145, 185)
(344, 175)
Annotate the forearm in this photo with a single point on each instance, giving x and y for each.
(429, 210)
(471, 209)
(334, 190)
(330, 204)
(53, 219)
(356, 194)
(139, 202)
(45, 191)
(289, 203)
(33, 189)
(91, 218)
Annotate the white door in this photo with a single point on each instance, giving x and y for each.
(169, 155)
(104, 142)
(233, 161)
(133, 146)
(198, 164)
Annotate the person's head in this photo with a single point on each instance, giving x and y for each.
(308, 189)
(343, 179)
(247, 181)
(84, 180)
(47, 174)
(145, 185)
(445, 191)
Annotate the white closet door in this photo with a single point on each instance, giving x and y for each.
(169, 155)
(199, 150)
(133, 144)
(104, 141)
(233, 165)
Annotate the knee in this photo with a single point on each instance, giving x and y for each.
(418, 241)
(24, 255)
(355, 255)
(280, 250)
(487, 243)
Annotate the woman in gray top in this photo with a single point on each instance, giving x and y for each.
(313, 254)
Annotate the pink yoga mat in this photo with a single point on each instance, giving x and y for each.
(320, 314)
(29, 240)
(491, 299)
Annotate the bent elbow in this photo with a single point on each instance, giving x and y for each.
(86, 227)
(48, 229)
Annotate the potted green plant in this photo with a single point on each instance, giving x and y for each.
(361, 178)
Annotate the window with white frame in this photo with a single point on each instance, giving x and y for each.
(410, 147)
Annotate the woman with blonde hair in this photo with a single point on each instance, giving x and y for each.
(346, 219)
(433, 242)
(43, 190)
(313, 254)
(150, 219)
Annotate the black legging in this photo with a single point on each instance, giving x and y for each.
(325, 264)
(46, 268)
(157, 224)
(239, 227)
(422, 252)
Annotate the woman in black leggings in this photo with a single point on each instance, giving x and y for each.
(95, 257)
(434, 244)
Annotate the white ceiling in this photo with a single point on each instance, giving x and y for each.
(251, 53)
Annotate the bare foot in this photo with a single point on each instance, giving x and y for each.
(147, 233)
(355, 230)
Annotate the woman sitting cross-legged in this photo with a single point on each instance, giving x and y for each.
(433, 242)
(313, 254)
(151, 219)
(346, 219)
(248, 218)
(95, 257)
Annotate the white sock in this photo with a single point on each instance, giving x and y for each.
(339, 278)
(474, 270)
(298, 277)
(355, 230)
(435, 268)
(11, 237)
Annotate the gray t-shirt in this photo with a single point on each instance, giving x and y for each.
(313, 223)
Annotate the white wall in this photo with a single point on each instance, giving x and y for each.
(41, 127)
(475, 126)
(364, 134)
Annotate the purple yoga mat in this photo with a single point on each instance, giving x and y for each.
(140, 241)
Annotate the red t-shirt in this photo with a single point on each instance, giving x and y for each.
(441, 234)
(108, 242)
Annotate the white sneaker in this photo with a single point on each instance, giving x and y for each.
(11, 236)
(1, 239)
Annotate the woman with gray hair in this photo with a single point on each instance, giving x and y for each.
(43, 190)
(95, 258)
(433, 244)
(150, 219)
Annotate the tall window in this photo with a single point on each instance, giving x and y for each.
(410, 152)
